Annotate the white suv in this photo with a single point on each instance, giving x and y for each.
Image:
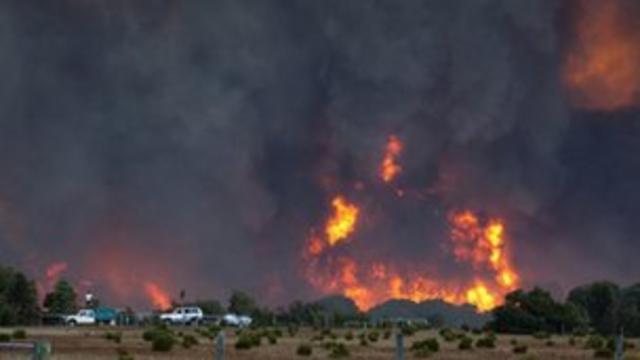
(183, 316)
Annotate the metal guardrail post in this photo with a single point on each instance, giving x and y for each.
(41, 350)
(219, 345)
(399, 345)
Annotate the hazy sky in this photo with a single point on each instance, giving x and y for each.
(195, 143)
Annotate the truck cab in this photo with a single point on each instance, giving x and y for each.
(82, 317)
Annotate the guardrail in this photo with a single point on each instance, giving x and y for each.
(39, 350)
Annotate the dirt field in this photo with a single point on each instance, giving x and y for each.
(90, 344)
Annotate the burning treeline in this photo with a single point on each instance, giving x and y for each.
(479, 242)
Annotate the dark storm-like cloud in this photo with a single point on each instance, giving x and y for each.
(208, 135)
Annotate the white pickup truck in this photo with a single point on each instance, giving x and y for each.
(183, 316)
(100, 315)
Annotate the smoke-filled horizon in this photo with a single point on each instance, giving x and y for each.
(199, 145)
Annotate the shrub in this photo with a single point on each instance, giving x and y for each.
(243, 343)
(348, 336)
(430, 344)
(339, 350)
(247, 340)
(550, 343)
(541, 335)
(520, 349)
(5, 337)
(124, 355)
(386, 335)
(449, 335)
(422, 353)
(466, 343)
(19, 334)
(272, 339)
(603, 354)
(373, 336)
(364, 342)
(487, 342)
(163, 342)
(580, 332)
(572, 341)
(189, 341)
(292, 330)
(529, 357)
(326, 332)
(408, 330)
(116, 337)
(151, 334)
(304, 350)
(594, 342)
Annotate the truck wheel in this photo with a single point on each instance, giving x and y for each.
(72, 323)
(167, 322)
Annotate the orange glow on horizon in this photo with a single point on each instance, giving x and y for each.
(159, 298)
(602, 69)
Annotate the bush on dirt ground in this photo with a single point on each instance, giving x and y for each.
(594, 342)
(430, 344)
(189, 341)
(373, 336)
(247, 340)
(466, 343)
(304, 350)
(487, 342)
(603, 354)
(116, 337)
(520, 349)
(339, 350)
(19, 334)
(163, 342)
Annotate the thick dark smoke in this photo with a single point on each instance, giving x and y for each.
(193, 143)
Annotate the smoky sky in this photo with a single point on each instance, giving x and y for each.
(195, 143)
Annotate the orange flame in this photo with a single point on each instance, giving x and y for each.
(158, 297)
(602, 70)
(483, 244)
(342, 222)
(390, 168)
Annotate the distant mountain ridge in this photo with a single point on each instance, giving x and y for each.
(433, 310)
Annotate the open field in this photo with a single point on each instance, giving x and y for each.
(90, 344)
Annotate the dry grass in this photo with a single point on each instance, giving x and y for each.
(90, 344)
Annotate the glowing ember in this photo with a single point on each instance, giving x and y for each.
(159, 298)
(603, 68)
(390, 168)
(342, 222)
